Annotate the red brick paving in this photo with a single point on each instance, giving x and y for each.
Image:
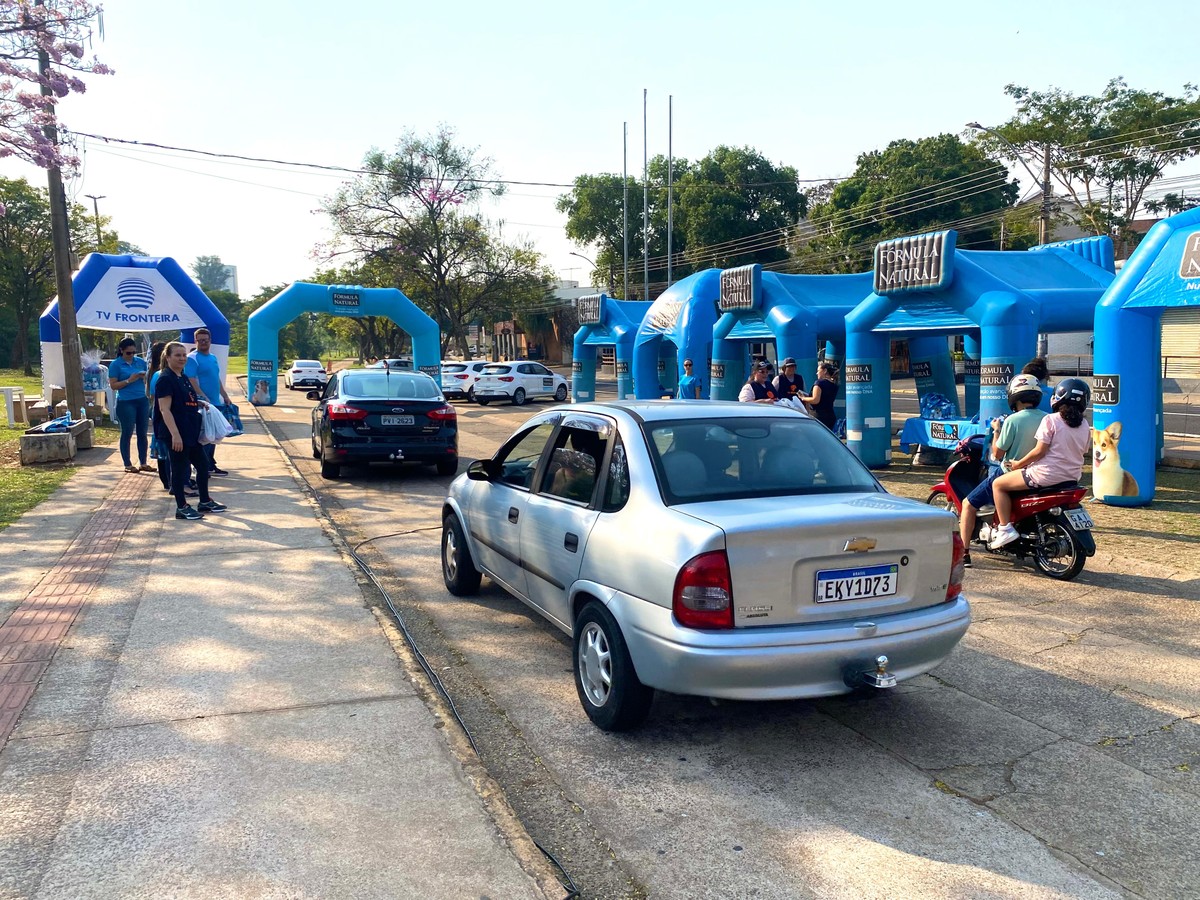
(31, 635)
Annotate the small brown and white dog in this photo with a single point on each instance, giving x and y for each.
(1108, 478)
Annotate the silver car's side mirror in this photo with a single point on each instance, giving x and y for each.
(480, 470)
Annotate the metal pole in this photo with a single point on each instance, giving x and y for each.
(645, 202)
(625, 210)
(1044, 221)
(670, 185)
(96, 209)
(61, 239)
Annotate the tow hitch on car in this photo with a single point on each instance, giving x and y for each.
(880, 677)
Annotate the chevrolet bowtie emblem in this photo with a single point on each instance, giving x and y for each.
(859, 545)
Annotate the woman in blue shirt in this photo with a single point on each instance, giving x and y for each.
(689, 384)
(127, 376)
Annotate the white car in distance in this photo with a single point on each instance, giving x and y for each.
(305, 373)
(518, 381)
(458, 377)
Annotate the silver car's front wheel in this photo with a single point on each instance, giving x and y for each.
(611, 693)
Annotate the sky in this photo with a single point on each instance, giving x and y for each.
(544, 90)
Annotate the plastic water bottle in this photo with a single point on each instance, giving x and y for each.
(82, 413)
(68, 416)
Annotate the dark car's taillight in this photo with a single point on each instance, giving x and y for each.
(957, 569)
(443, 414)
(703, 595)
(344, 413)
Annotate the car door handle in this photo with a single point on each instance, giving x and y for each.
(571, 542)
(513, 514)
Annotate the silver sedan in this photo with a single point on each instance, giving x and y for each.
(719, 549)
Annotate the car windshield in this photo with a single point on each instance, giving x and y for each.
(307, 364)
(725, 459)
(393, 386)
(495, 370)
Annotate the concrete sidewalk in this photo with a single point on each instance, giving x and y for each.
(212, 709)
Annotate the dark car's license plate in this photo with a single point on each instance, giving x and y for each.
(856, 584)
(397, 420)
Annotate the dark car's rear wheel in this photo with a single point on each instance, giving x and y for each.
(458, 569)
(447, 466)
(330, 470)
(561, 394)
(519, 397)
(609, 689)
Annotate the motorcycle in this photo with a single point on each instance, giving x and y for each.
(1054, 530)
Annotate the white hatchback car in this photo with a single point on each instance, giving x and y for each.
(458, 378)
(519, 381)
(305, 373)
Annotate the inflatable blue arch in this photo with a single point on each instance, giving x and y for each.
(677, 326)
(1162, 272)
(797, 312)
(265, 323)
(927, 290)
(605, 321)
(134, 294)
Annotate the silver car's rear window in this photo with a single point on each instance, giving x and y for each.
(394, 386)
(724, 459)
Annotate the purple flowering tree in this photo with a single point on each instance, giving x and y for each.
(29, 93)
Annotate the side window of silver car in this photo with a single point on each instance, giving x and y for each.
(519, 463)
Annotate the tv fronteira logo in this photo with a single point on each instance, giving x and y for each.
(135, 293)
(137, 296)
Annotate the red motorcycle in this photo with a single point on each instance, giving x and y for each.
(1053, 528)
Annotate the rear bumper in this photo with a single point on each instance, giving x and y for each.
(378, 451)
(785, 662)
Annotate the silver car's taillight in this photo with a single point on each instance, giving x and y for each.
(703, 595)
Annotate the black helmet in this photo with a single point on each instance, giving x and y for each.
(1024, 389)
(1071, 390)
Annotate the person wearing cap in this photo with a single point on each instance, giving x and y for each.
(689, 384)
(758, 389)
(787, 383)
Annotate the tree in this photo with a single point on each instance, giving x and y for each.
(1105, 151)
(412, 223)
(731, 208)
(58, 28)
(907, 188)
(210, 273)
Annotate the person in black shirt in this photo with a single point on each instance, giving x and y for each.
(787, 383)
(823, 394)
(177, 424)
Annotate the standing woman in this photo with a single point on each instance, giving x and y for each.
(177, 423)
(689, 384)
(160, 450)
(127, 376)
(824, 392)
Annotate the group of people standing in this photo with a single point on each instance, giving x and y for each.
(787, 385)
(165, 395)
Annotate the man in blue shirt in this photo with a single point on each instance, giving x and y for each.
(204, 371)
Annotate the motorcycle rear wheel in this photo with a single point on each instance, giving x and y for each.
(942, 501)
(1056, 552)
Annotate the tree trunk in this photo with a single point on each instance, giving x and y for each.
(21, 354)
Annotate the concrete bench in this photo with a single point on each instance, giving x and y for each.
(56, 446)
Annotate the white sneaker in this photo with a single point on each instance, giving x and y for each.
(1004, 535)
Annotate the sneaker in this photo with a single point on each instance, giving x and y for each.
(211, 506)
(145, 468)
(191, 492)
(967, 559)
(1004, 536)
(216, 470)
(186, 512)
(191, 485)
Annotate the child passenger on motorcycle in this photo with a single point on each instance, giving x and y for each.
(1012, 438)
(1062, 440)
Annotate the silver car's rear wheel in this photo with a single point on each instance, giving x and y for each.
(609, 689)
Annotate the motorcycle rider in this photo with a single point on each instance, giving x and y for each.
(1011, 439)
(1062, 441)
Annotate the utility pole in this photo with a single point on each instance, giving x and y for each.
(61, 238)
(625, 211)
(670, 185)
(1044, 219)
(645, 203)
(96, 209)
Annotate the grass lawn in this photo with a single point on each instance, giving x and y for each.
(24, 487)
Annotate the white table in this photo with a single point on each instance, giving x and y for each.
(14, 405)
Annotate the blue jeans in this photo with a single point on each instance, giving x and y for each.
(133, 416)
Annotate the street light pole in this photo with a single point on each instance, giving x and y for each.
(96, 209)
(595, 268)
(1043, 180)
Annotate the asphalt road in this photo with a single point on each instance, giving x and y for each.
(1055, 754)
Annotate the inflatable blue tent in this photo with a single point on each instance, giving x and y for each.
(1162, 273)
(677, 326)
(926, 289)
(605, 322)
(262, 333)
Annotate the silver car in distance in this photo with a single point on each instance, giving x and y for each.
(721, 549)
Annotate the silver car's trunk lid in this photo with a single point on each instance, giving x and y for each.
(831, 557)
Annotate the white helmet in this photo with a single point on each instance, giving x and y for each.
(1024, 389)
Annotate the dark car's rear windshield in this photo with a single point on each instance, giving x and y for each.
(495, 370)
(396, 386)
(724, 459)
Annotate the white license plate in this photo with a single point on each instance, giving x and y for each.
(397, 420)
(1079, 519)
(856, 584)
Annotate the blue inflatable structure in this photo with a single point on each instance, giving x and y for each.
(927, 290)
(336, 300)
(1163, 272)
(677, 326)
(134, 294)
(796, 312)
(605, 321)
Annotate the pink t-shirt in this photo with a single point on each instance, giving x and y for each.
(1064, 460)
